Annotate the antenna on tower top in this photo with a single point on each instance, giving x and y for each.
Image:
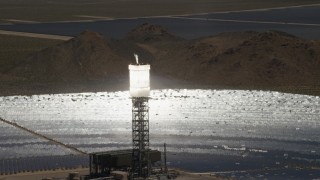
(137, 58)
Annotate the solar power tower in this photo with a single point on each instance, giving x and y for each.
(140, 92)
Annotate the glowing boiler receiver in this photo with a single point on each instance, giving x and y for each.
(139, 79)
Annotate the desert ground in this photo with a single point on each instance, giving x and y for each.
(34, 11)
(61, 174)
(35, 35)
(58, 174)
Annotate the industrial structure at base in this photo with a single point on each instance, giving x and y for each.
(141, 155)
(103, 163)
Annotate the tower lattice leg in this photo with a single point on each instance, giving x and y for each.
(140, 137)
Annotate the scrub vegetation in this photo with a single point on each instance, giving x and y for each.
(70, 10)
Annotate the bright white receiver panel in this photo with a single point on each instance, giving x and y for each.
(139, 80)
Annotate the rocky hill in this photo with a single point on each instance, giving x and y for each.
(247, 58)
(85, 57)
(234, 59)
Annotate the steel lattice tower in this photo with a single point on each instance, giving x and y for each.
(140, 137)
(140, 92)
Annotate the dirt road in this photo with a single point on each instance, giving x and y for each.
(35, 35)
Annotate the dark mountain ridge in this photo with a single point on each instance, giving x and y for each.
(233, 59)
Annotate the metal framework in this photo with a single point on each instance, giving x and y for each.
(140, 137)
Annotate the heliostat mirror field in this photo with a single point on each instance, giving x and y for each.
(276, 129)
